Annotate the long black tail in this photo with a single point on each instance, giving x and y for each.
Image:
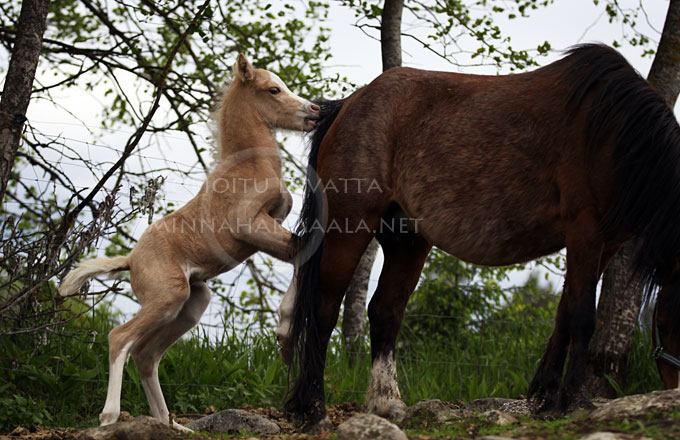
(308, 247)
(646, 151)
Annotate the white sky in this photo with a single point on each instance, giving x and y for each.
(356, 56)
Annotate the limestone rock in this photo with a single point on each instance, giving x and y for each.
(139, 428)
(499, 418)
(235, 420)
(640, 404)
(369, 427)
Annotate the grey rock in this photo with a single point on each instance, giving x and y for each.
(510, 406)
(235, 420)
(488, 403)
(139, 428)
(369, 427)
(499, 418)
(640, 404)
(612, 436)
(433, 410)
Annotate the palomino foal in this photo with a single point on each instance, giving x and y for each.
(237, 212)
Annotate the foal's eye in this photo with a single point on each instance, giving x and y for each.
(274, 90)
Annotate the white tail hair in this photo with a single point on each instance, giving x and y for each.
(91, 268)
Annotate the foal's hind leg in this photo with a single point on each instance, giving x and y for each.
(404, 259)
(148, 351)
(155, 312)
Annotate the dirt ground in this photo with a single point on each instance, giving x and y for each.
(653, 425)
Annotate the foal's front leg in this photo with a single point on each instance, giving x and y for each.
(265, 234)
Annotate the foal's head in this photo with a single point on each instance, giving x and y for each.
(272, 101)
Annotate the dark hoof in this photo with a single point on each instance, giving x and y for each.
(545, 405)
(323, 425)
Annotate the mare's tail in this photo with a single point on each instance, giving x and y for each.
(308, 247)
(87, 269)
(625, 110)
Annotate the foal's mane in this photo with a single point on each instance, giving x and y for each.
(625, 110)
(214, 125)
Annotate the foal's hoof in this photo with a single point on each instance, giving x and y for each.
(181, 427)
(108, 418)
(323, 425)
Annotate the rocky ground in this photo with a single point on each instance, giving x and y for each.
(655, 415)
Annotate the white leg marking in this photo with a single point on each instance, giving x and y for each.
(181, 427)
(383, 397)
(111, 409)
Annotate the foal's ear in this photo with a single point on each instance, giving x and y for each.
(243, 69)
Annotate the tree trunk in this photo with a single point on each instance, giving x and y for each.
(19, 81)
(355, 298)
(390, 33)
(621, 296)
(353, 316)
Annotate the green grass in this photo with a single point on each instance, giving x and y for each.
(63, 381)
(654, 425)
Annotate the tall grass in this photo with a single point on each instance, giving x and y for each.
(61, 381)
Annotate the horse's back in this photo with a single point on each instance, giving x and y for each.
(483, 163)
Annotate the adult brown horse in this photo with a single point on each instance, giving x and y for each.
(495, 170)
(666, 334)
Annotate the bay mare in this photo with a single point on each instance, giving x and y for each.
(237, 212)
(497, 170)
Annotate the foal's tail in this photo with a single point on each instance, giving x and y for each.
(87, 269)
(308, 247)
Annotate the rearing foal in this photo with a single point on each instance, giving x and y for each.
(237, 212)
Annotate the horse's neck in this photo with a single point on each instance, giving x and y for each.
(248, 141)
(243, 135)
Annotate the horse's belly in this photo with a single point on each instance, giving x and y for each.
(496, 235)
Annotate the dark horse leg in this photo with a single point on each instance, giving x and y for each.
(574, 323)
(405, 256)
(341, 254)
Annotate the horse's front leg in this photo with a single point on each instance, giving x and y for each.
(404, 259)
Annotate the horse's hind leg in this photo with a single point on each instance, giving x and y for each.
(155, 312)
(341, 254)
(574, 323)
(148, 352)
(404, 259)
